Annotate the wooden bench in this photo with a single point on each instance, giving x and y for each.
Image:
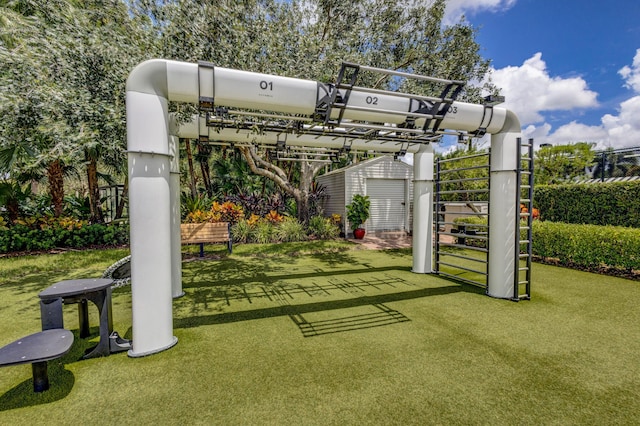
(206, 233)
(37, 349)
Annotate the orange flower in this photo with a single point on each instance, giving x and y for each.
(274, 217)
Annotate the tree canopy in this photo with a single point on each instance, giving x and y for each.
(64, 63)
(562, 163)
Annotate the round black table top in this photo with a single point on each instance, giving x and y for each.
(75, 287)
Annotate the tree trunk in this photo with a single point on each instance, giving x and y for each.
(94, 190)
(56, 186)
(123, 200)
(204, 152)
(192, 174)
(269, 170)
(302, 202)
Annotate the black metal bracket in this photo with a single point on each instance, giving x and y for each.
(348, 71)
(205, 103)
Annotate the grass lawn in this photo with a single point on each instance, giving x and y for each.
(326, 333)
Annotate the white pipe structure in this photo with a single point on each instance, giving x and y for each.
(154, 176)
(504, 213)
(423, 210)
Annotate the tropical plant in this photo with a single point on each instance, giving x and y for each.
(290, 230)
(12, 195)
(264, 232)
(358, 211)
(323, 228)
(62, 75)
(226, 212)
(190, 203)
(242, 231)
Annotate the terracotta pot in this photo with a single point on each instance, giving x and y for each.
(358, 233)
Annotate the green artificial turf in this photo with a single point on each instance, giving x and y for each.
(326, 333)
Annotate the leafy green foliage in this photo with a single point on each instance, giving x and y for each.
(259, 203)
(615, 203)
(274, 228)
(242, 232)
(562, 163)
(59, 235)
(63, 67)
(290, 230)
(473, 177)
(588, 246)
(264, 232)
(323, 228)
(358, 210)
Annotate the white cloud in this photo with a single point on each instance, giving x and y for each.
(621, 130)
(631, 74)
(530, 90)
(457, 8)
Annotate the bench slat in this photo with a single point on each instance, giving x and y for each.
(205, 233)
(195, 233)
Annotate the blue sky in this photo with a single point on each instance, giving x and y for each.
(570, 69)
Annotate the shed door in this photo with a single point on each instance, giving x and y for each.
(387, 212)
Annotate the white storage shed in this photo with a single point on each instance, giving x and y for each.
(387, 182)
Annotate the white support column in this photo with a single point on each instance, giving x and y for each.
(423, 210)
(503, 212)
(149, 209)
(174, 187)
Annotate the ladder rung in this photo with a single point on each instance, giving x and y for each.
(524, 256)
(525, 186)
(524, 228)
(524, 242)
(523, 269)
(526, 144)
(525, 200)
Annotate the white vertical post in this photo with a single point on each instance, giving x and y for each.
(149, 210)
(174, 187)
(423, 210)
(503, 212)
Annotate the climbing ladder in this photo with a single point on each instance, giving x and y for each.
(524, 199)
(462, 235)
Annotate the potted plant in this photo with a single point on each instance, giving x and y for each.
(358, 213)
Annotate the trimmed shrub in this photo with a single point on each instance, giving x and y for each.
(25, 238)
(473, 224)
(588, 246)
(614, 203)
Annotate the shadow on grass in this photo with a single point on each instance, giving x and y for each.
(61, 381)
(297, 310)
(380, 316)
(258, 273)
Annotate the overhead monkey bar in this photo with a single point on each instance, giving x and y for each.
(313, 115)
(341, 110)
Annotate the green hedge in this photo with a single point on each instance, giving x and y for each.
(24, 238)
(588, 246)
(615, 203)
